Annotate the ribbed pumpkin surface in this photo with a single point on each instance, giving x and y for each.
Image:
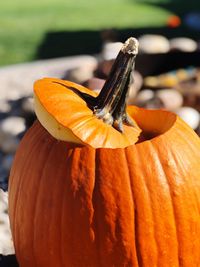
(85, 207)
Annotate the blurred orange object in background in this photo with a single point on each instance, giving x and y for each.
(173, 21)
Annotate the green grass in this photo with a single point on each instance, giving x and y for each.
(23, 23)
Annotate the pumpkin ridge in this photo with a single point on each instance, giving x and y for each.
(37, 202)
(68, 157)
(182, 205)
(176, 221)
(19, 184)
(129, 152)
(178, 157)
(183, 167)
(174, 211)
(54, 194)
(63, 223)
(148, 199)
(119, 223)
(144, 237)
(95, 219)
(186, 139)
(13, 171)
(135, 253)
(80, 184)
(61, 237)
(170, 194)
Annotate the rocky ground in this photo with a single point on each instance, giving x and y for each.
(6, 246)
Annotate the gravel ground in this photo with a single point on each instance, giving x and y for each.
(6, 245)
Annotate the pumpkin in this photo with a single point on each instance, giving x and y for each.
(97, 184)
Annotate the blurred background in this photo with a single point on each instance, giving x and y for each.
(49, 28)
(79, 40)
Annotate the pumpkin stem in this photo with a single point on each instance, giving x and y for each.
(111, 102)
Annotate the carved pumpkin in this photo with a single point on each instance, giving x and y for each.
(80, 199)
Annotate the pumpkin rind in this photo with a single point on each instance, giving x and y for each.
(75, 206)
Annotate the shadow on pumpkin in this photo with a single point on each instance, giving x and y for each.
(153, 123)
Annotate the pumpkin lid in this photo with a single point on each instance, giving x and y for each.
(66, 116)
(73, 113)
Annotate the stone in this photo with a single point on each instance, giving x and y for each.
(170, 98)
(7, 161)
(183, 44)
(110, 50)
(3, 173)
(190, 115)
(21, 77)
(4, 183)
(12, 126)
(144, 96)
(104, 68)
(9, 143)
(3, 201)
(147, 99)
(95, 83)
(5, 107)
(6, 244)
(13, 94)
(28, 105)
(83, 73)
(135, 86)
(153, 43)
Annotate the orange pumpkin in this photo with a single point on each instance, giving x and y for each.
(133, 200)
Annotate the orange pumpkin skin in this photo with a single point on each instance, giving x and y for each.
(85, 207)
